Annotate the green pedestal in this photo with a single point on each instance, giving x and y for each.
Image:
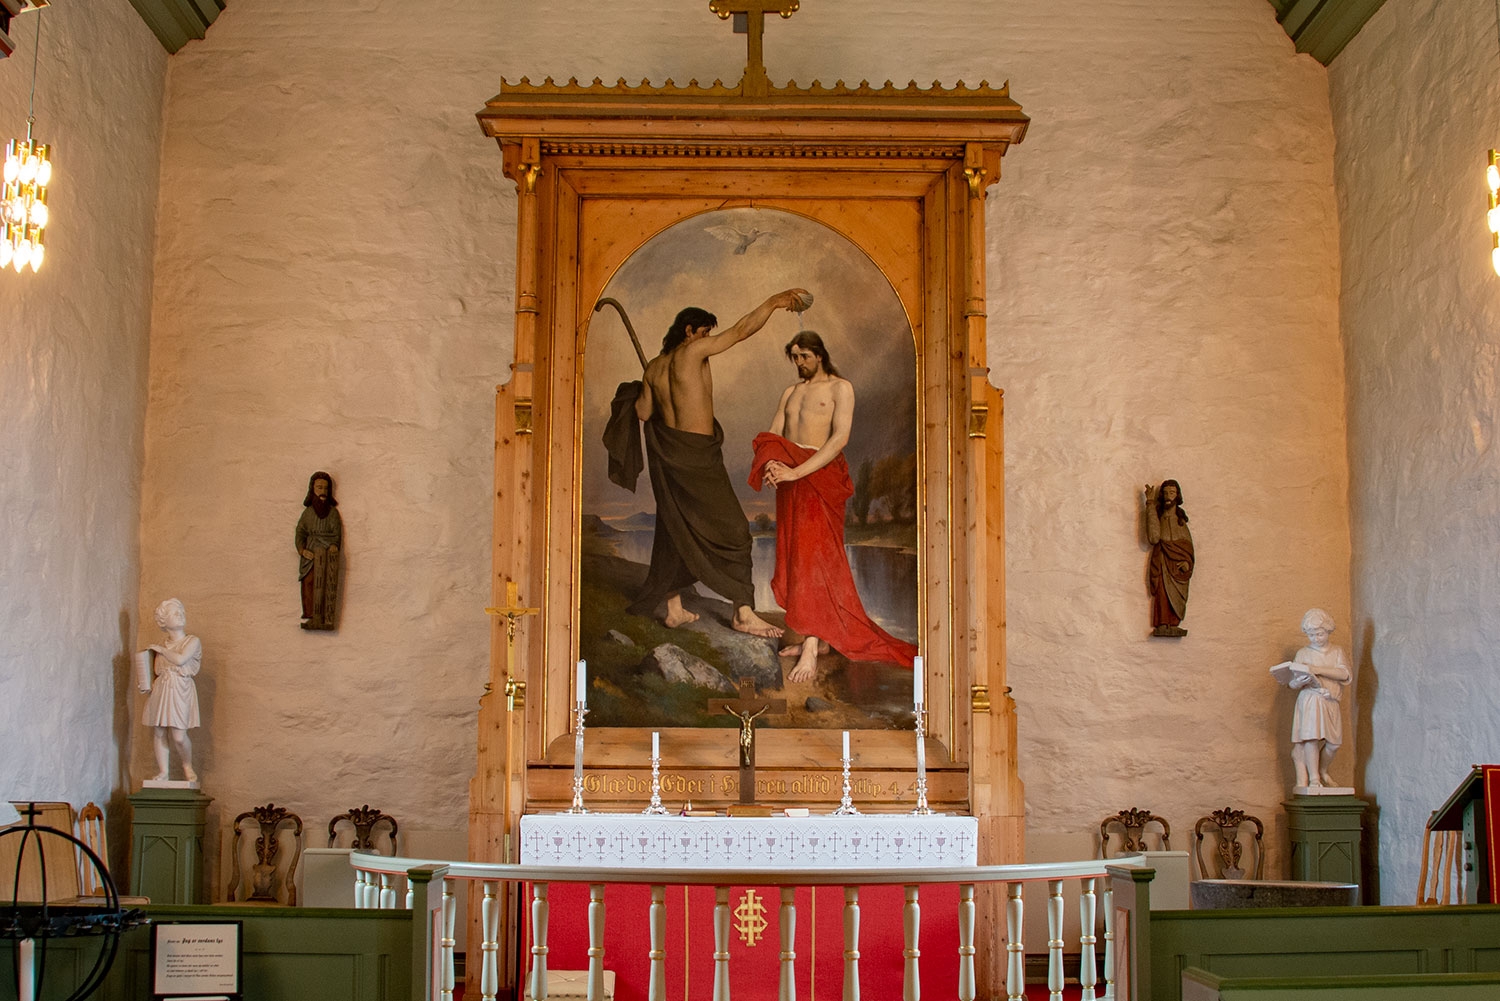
(166, 858)
(1326, 835)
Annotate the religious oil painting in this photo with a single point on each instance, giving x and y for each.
(748, 488)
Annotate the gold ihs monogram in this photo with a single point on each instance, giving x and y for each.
(750, 918)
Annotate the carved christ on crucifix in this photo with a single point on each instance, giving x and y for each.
(747, 709)
(750, 20)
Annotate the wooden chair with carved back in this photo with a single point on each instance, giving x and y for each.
(364, 819)
(1225, 826)
(1132, 824)
(268, 883)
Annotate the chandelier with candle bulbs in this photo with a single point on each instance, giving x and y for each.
(28, 171)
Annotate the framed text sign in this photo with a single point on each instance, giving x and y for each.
(196, 960)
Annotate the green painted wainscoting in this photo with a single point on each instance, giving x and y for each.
(1314, 942)
(1200, 986)
(291, 954)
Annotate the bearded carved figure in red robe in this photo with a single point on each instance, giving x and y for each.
(802, 457)
(1171, 564)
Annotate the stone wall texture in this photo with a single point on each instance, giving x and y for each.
(72, 404)
(1413, 100)
(335, 290)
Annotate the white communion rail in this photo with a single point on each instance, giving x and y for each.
(385, 882)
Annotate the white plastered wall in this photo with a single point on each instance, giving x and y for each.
(335, 291)
(1413, 101)
(73, 350)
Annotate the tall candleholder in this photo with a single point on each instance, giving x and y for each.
(655, 809)
(846, 804)
(579, 712)
(922, 809)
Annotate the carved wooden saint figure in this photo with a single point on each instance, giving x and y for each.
(1171, 563)
(318, 538)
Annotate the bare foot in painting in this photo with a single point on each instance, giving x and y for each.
(746, 621)
(676, 614)
(807, 663)
(795, 650)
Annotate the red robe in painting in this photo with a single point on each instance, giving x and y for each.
(812, 580)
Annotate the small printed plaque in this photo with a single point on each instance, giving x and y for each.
(196, 960)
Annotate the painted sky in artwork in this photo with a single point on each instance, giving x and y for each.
(694, 263)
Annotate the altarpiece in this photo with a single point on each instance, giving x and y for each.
(902, 173)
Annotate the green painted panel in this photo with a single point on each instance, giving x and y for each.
(1322, 941)
(320, 975)
(1421, 987)
(290, 953)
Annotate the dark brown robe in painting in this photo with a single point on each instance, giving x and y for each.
(701, 530)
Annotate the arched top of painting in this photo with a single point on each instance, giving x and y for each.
(741, 255)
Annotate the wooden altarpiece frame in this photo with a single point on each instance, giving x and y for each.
(903, 173)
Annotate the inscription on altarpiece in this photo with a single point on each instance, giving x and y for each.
(790, 788)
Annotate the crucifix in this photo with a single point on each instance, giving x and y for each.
(747, 709)
(515, 692)
(750, 20)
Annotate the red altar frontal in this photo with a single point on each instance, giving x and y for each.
(730, 854)
(755, 940)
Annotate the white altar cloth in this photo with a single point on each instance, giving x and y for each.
(637, 841)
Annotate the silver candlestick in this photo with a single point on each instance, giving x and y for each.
(579, 712)
(846, 804)
(655, 808)
(922, 809)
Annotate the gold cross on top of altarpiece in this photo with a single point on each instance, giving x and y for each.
(750, 18)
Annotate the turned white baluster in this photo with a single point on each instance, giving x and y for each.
(788, 923)
(538, 941)
(721, 943)
(361, 884)
(851, 943)
(1109, 940)
(911, 924)
(411, 894)
(596, 942)
(966, 942)
(1015, 969)
(387, 892)
(656, 989)
(489, 954)
(450, 911)
(1054, 940)
(1088, 975)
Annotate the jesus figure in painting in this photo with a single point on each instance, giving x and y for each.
(802, 456)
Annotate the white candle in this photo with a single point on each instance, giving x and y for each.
(916, 678)
(655, 744)
(26, 970)
(583, 691)
(846, 744)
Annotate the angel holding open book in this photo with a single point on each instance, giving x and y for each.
(1318, 673)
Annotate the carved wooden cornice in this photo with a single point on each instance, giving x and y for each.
(718, 120)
